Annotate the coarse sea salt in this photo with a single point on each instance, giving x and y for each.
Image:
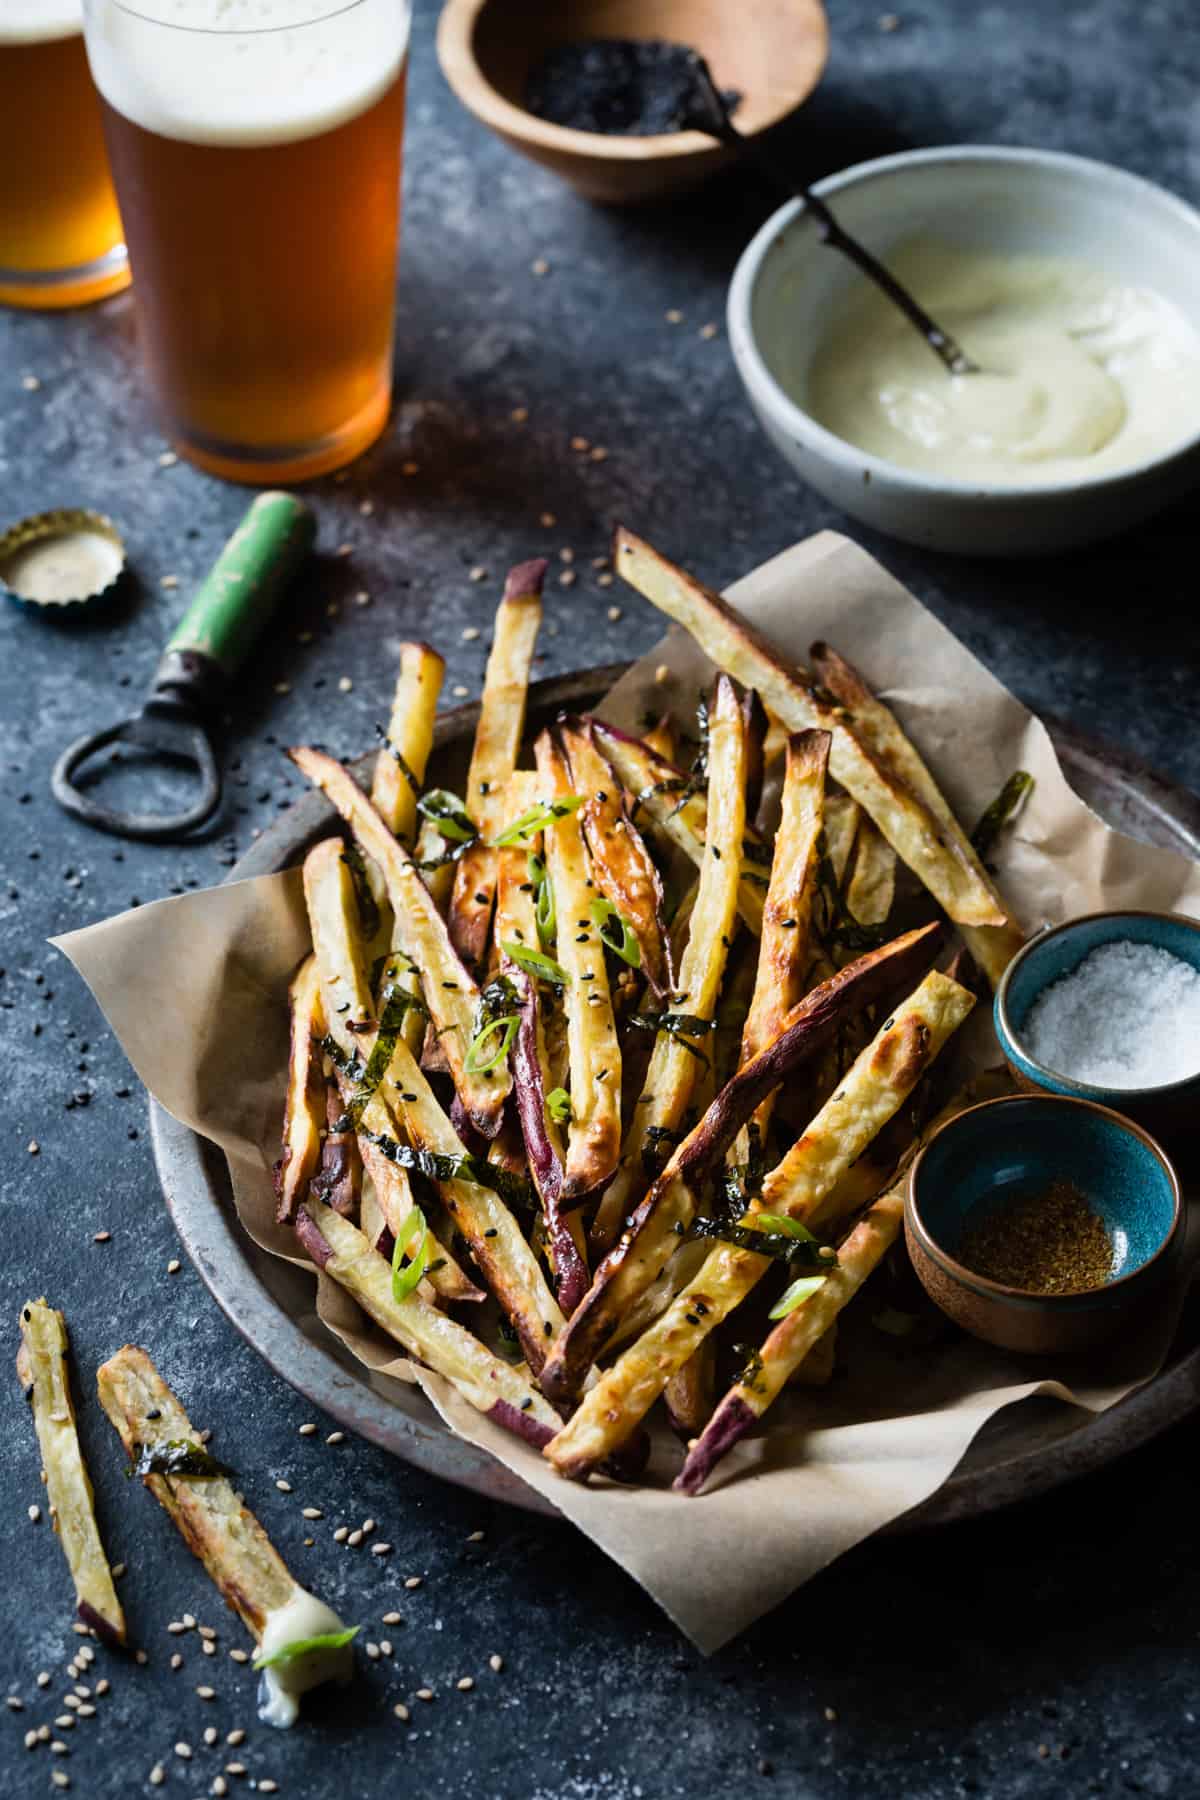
(1127, 1017)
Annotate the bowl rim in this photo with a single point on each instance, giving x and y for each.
(762, 385)
(1026, 1297)
(1010, 1040)
(465, 74)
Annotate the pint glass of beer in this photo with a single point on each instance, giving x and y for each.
(60, 233)
(256, 148)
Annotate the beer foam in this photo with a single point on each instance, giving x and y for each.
(39, 21)
(245, 72)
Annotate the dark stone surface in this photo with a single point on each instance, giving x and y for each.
(950, 1661)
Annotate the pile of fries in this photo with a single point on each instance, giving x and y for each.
(590, 1060)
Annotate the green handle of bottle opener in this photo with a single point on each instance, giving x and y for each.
(241, 590)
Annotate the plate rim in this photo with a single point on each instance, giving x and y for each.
(204, 1219)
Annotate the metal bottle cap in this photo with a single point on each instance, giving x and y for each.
(64, 560)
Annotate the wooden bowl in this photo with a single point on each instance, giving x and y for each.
(772, 51)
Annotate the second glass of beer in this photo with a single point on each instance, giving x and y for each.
(256, 149)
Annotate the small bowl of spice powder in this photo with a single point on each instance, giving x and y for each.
(1107, 1008)
(1044, 1224)
(595, 90)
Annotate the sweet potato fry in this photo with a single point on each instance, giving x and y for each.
(881, 1079)
(497, 741)
(992, 946)
(304, 1114)
(400, 765)
(677, 1056)
(44, 1376)
(915, 832)
(871, 884)
(653, 1234)
(594, 1134)
(420, 933)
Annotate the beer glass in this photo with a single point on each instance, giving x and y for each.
(60, 233)
(256, 149)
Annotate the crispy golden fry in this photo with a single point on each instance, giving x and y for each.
(676, 1058)
(501, 1390)
(652, 1236)
(594, 1135)
(917, 835)
(992, 946)
(871, 885)
(817, 1366)
(420, 933)
(663, 738)
(304, 1114)
(210, 1516)
(621, 864)
(338, 953)
(44, 1377)
(871, 1092)
(655, 786)
(497, 741)
(842, 818)
(400, 765)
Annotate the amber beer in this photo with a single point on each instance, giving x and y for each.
(259, 175)
(60, 233)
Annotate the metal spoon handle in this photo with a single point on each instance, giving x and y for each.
(712, 116)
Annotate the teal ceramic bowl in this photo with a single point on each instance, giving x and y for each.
(994, 1153)
(1170, 1112)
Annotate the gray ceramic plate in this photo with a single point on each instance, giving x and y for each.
(1023, 1451)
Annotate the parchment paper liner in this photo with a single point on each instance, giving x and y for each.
(194, 988)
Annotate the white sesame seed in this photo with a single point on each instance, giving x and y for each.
(219, 1785)
(118, 1570)
(460, 692)
(579, 443)
(470, 633)
(604, 580)
(211, 1734)
(235, 1768)
(344, 550)
(206, 1693)
(380, 1549)
(309, 1542)
(385, 1646)
(475, 1537)
(392, 1618)
(889, 22)
(519, 414)
(341, 1534)
(285, 1487)
(85, 1654)
(268, 1786)
(31, 1739)
(102, 1687)
(30, 383)
(71, 1700)
(662, 673)
(614, 613)
(101, 1237)
(708, 331)
(567, 578)
(566, 554)
(368, 1526)
(209, 1648)
(43, 1733)
(157, 1775)
(413, 1581)
(35, 1513)
(65, 1721)
(58, 1748)
(424, 1693)
(465, 1683)
(206, 1631)
(401, 1711)
(540, 266)
(312, 1512)
(673, 316)
(830, 1715)
(88, 1711)
(598, 453)
(478, 573)
(43, 1679)
(60, 1778)
(345, 685)
(495, 1664)
(169, 581)
(174, 1266)
(141, 1658)
(354, 1539)
(372, 1651)
(183, 1751)
(176, 1626)
(85, 1693)
(366, 508)
(235, 1737)
(167, 459)
(79, 1630)
(239, 1656)
(308, 1430)
(177, 1661)
(336, 1437)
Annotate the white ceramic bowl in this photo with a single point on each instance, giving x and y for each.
(788, 286)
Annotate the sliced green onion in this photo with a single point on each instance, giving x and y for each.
(449, 815)
(535, 963)
(477, 1062)
(558, 1105)
(628, 949)
(1002, 811)
(405, 1275)
(800, 1290)
(546, 812)
(545, 911)
(769, 1221)
(329, 1640)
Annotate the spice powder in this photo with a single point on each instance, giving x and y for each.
(1047, 1243)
